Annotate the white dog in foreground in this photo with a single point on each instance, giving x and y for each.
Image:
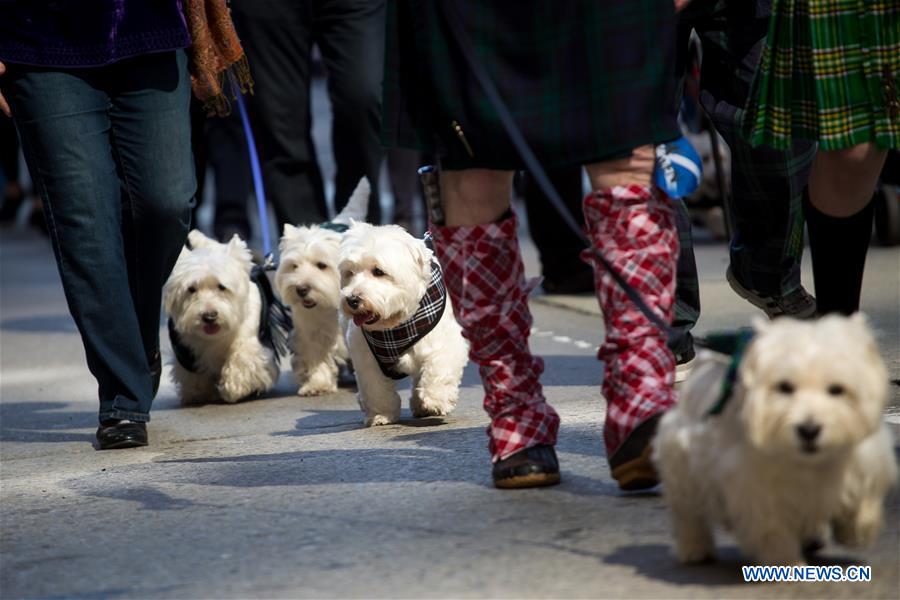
(309, 282)
(402, 323)
(797, 446)
(215, 313)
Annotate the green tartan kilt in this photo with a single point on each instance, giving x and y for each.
(585, 80)
(830, 73)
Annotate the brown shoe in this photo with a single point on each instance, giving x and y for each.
(631, 465)
(533, 467)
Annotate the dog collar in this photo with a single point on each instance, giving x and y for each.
(388, 345)
(735, 345)
(274, 324)
(332, 226)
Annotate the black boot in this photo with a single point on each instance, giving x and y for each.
(114, 434)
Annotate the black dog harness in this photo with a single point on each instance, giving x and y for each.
(735, 345)
(389, 345)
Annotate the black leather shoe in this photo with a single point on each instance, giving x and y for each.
(533, 467)
(114, 435)
(631, 465)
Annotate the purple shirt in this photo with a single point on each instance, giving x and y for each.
(88, 33)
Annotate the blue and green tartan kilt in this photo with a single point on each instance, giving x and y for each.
(585, 80)
(829, 73)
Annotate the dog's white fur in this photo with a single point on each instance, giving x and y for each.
(308, 281)
(749, 469)
(436, 362)
(230, 360)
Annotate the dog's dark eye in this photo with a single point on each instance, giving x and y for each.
(836, 389)
(321, 266)
(223, 288)
(785, 387)
(192, 290)
(378, 272)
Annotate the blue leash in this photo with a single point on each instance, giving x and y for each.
(258, 187)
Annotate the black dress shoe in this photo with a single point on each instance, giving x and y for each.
(113, 435)
(533, 467)
(631, 464)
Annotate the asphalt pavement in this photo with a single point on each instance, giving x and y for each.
(291, 497)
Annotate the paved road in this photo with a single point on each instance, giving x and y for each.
(291, 497)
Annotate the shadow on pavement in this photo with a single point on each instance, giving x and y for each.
(36, 422)
(655, 561)
(61, 323)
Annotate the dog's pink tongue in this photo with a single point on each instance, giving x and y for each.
(211, 329)
(360, 319)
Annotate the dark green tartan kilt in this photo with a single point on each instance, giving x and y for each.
(585, 80)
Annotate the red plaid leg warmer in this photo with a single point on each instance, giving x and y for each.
(634, 227)
(484, 274)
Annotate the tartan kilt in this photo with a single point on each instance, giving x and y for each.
(829, 73)
(585, 80)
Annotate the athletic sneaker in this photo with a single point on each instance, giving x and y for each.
(797, 303)
(683, 364)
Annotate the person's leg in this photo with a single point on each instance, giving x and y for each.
(766, 184)
(402, 165)
(278, 42)
(63, 120)
(560, 252)
(350, 34)
(479, 252)
(227, 149)
(839, 216)
(687, 295)
(151, 135)
(11, 188)
(633, 225)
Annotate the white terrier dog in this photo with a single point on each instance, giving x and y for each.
(403, 323)
(308, 281)
(214, 323)
(799, 443)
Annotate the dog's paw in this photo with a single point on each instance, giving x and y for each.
(432, 405)
(316, 389)
(693, 555)
(857, 532)
(376, 420)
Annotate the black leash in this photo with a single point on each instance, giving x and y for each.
(534, 166)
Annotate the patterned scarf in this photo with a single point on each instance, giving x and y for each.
(390, 344)
(215, 55)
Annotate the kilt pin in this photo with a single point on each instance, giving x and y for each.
(634, 226)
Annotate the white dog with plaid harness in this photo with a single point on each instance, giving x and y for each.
(402, 323)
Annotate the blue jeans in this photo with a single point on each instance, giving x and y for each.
(109, 151)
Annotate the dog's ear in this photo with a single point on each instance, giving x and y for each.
(237, 248)
(759, 324)
(185, 252)
(197, 240)
(289, 230)
(422, 257)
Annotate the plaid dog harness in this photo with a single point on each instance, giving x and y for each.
(390, 344)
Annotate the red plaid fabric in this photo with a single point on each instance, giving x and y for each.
(484, 275)
(634, 227)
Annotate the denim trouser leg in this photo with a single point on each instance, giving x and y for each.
(109, 150)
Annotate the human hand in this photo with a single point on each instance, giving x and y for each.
(680, 4)
(4, 106)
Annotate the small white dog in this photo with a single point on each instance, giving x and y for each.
(799, 443)
(214, 323)
(308, 281)
(402, 323)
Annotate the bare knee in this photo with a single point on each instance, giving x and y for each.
(475, 196)
(842, 181)
(636, 169)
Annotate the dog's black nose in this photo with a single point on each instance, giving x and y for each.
(808, 431)
(210, 316)
(302, 290)
(353, 302)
